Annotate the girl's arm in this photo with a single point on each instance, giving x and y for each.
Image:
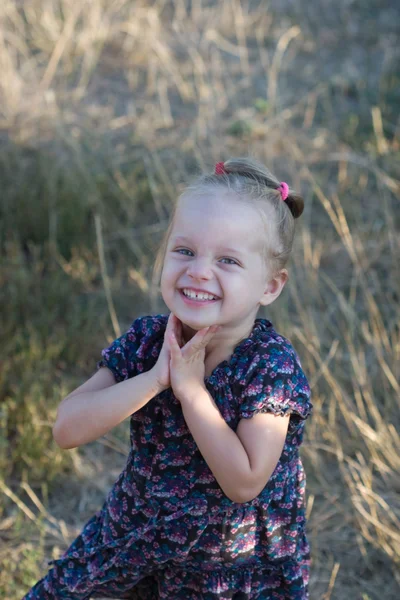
(241, 465)
(100, 404)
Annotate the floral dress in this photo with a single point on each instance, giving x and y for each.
(166, 530)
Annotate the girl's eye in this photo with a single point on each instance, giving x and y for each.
(232, 261)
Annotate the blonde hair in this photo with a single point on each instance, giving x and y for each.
(253, 183)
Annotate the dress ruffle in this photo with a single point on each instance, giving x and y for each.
(89, 562)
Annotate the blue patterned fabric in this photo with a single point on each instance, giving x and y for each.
(166, 529)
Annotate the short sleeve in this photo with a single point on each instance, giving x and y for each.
(122, 356)
(275, 382)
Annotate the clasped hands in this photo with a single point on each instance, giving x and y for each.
(181, 366)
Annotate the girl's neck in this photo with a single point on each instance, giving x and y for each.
(221, 346)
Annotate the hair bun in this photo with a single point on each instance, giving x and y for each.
(295, 204)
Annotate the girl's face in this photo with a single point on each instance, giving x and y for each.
(215, 246)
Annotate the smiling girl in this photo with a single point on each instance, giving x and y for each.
(211, 502)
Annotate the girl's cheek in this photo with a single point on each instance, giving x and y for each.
(164, 279)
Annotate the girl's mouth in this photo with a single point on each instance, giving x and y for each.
(197, 301)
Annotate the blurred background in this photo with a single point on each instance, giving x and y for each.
(107, 109)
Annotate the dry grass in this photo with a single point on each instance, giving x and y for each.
(106, 109)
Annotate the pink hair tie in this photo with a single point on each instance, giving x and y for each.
(284, 190)
(219, 168)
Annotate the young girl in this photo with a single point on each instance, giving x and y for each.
(211, 503)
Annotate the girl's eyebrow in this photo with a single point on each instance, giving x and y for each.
(183, 240)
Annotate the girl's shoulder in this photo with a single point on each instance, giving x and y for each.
(150, 325)
(264, 345)
(143, 331)
(147, 333)
(137, 349)
(270, 376)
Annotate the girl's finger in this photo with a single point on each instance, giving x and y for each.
(169, 324)
(180, 333)
(176, 328)
(209, 332)
(171, 321)
(173, 344)
(174, 324)
(200, 340)
(213, 329)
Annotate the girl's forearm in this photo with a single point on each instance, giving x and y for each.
(87, 416)
(218, 443)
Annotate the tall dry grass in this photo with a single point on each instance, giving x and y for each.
(106, 109)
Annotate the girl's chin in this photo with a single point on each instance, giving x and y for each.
(192, 325)
(190, 328)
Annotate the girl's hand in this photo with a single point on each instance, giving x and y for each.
(187, 370)
(161, 369)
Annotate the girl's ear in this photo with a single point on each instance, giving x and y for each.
(274, 287)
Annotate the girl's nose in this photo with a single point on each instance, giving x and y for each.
(199, 269)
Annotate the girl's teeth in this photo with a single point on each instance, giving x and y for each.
(198, 296)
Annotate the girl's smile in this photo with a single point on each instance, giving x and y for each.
(197, 298)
